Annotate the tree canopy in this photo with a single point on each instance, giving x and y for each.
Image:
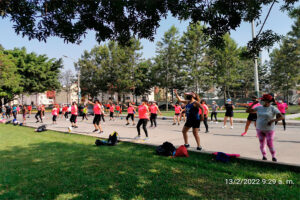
(121, 19)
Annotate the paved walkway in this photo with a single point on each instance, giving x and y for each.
(287, 143)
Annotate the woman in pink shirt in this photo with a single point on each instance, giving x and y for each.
(205, 107)
(153, 111)
(111, 112)
(97, 116)
(252, 117)
(130, 113)
(54, 114)
(143, 119)
(282, 107)
(74, 114)
(177, 108)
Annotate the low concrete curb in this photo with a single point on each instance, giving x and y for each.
(292, 167)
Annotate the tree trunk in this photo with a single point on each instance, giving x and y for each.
(167, 99)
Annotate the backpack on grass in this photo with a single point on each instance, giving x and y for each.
(113, 139)
(181, 152)
(41, 128)
(166, 149)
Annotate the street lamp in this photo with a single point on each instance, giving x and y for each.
(78, 79)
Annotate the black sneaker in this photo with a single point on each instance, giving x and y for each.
(37, 121)
(174, 124)
(95, 130)
(274, 159)
(264, 158)
(199, 148)
(127, 124)
(186, 145)
(206, 131)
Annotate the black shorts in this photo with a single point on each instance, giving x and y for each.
(54, 118)
(252, 117)
(73, 118)
(192, 123)
(96, 119)
(177, 114)
(229, 114)
(111, 114)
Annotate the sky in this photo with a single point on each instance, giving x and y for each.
(278, 21)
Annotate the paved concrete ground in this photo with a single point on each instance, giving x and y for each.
(287, 143)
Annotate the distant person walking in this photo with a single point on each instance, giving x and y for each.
(54, 113)
(266, 116)
(15, 111)
(182, 113)
(214, 112)
(38, 115)
(29, 108)
(74, 114)
(282, 107)
(229, 107)
(130, 113)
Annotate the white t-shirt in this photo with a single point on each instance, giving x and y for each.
(264, 115)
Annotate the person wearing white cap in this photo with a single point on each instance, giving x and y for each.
(229, 107)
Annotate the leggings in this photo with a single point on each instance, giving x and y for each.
(214, 114)
(144, 122)
(102, 117)
(153, 119)
(15, 115)
(129, 115)
(38, 114)
(84, 116)
(205, 122)
(66, 115)
(262, 136)
(283, 121)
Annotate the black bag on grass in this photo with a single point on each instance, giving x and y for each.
(113, 139)
(166, 149)
(100, 142)
(41, 128)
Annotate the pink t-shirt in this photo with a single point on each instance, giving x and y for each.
(282, 107)
(74, 110)
(153, 109)
(112, 108)
(258, 104)
(97, 109)
(177, 109)
(205, 109)
(143, 112)
(54, 111)
(130, 110)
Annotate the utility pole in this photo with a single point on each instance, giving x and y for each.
(256, 84)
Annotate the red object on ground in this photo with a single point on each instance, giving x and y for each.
(181, 152)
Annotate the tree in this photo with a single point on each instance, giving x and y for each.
(119, 19)
(224, 63)
(285, 60)
(169, 73)
(9, 78)
(67, 79)
(38, 73)
(195, 43)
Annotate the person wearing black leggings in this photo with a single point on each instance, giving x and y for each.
(205, 107)
(153, 110)
(39, 114)
(143, 119)
(214, 108)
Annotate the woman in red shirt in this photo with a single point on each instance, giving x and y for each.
(153, 111)
(143, 119)
(205, 107)
(130, 111)
(74, 114)
(177, 113)
(97, 116)
(111, 112)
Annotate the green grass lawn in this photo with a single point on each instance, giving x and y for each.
(53, 165)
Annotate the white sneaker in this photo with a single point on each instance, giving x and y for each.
(211, 122)
(147, 138)
(231, 127)
(217, 122)
(223, 126)
(137, 137)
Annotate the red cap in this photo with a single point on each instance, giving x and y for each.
(266, 97)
